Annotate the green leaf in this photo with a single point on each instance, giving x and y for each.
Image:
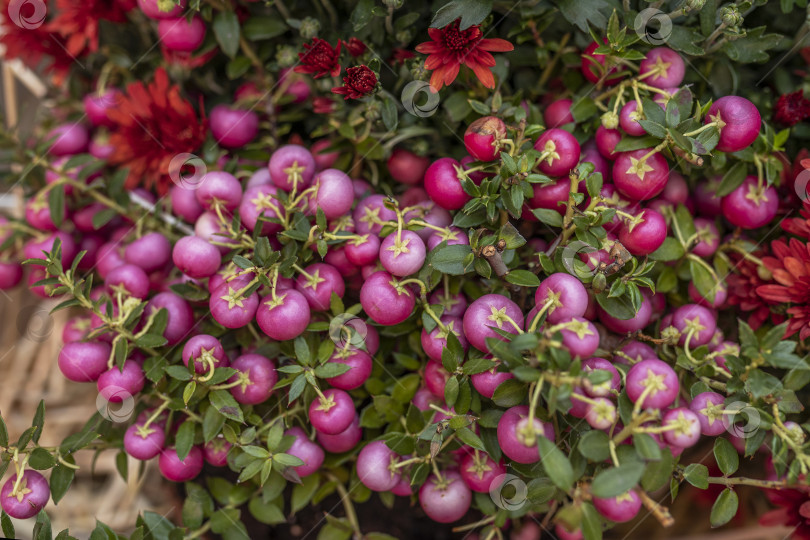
(7, 525)
(226, 30)
(548, 216)
(726, 455)
(39, 421)
(151, 341)
(724, 508)
(389, 113)
(697, 475)
(184, 439)
(752, 47)
(591, 522)
(266, 512)
(226, 405)
(556, 465)
(468, 437)
(523, 278)
(61, 478)
(732, 179)
(40, 459)
(636, 143)
(509, 393)
(470, 11)
(615, 481)
(450, 259)
(258, 28)
(669, 250)
(684, 39)
(56, 205)
(584, 13)
(594, 445)
(302, 493)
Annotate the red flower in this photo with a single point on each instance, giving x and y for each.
(355, 47)
(186, 60)
(400, 55)
(742, 291)
(32, 43)
(322, 105)
(794, 511)
(791, 108)
(77, 21)
(791, 270)
(319, 59)
(451, 47)
(359, 81)
(153, 124)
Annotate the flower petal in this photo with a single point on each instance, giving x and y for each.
(495, 45)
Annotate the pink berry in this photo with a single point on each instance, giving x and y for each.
(118, 385)
(185, 203)
(84, 361)
(180, 319)
(564, 295)
(333, 413)
(196, 257)
(363, 250)
(606, 141)
(443, 184)
(96, 106)
(658, 377)
(151, 9)
(436, 378)
(518, 439)
(580, 337)
(402, 254)
(334, 193)
(323, 158)
(307, 451)
(435, 342)
(708, 407)
(375, 466)
(482, 138)
(629, 117)
(68, 139)
(385, 301)
(738, 120)
(204, 350)
(623, 326)
(128, 280)
(487, 382)
(343, 441)
(696, 322)
(686, 426)
(551, 196)
(406, 167)
(219, 188)
(258, 377)
(487, 312)
(447, 499)
(151, 252)
(645, 235)
(558, 113)
(750, 205)
(667, 65)
(291, 165)
(360, 366)
(180, 34)
(369, 212)
(601, 414)
(31, 497)
(232, 309)
(639, 175)
(560, 152)
(144, 444)
(177, 470)
(591, 70)
(318, 284)
(479, 471)
(231, 127)
(619, 509)
(283, 316)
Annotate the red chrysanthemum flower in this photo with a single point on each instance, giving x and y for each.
(355, 47)
(322, 105)
(790, 267)
(319, 59)
(153, 123)
(451, 47)
(794, 510)
(400, 55)
(359, 82)
(33, 44)
(800, 226)
(791, 108)
(77, 21)
(742, 291)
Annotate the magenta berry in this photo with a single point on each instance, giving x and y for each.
(180, 319)
(152, 9)
(127, 280)
(738, 121)
(180, 34)
(579, 336)
(751, 205)
(602, 389)
(196, 257)
(206, 352)
(84, 361)
(363, 250)
(292, 166)
(718, 295)
(402, 253)
(385, 300)
(489, 380)
(31, 496)
(261, 202)
(334, 193)
(655, 380)
(643, 234)
(443, 184)
(284, 315)
(68, 139)
(479, 471)
(96, 106)
(558, 113)
(685, 427)
(622, 326)
(360, 366)
(559, 150)
(436, 378)
(219, 188)
(696, 323)
(151, 252)
(435, 342)
(369, 214)
(561, 296)
(708, 236)
(606, 141)
(483, 136)
(629, 117)
(343, 441)
(445, 499)
(230, 307)
(708, 407)
(552, 196)
(518, 438)
(317, 284)
(619, 509)
(177, 470)
(639, 174)
(118, 385)
(233, 128)
(667, 66)
(591, 63)
(307, 451)
(375, 466)
(406, 167)
(144, 443)
(257, 376)
(487, 312)
(215, 452)
(601, 414)
(333, 413)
